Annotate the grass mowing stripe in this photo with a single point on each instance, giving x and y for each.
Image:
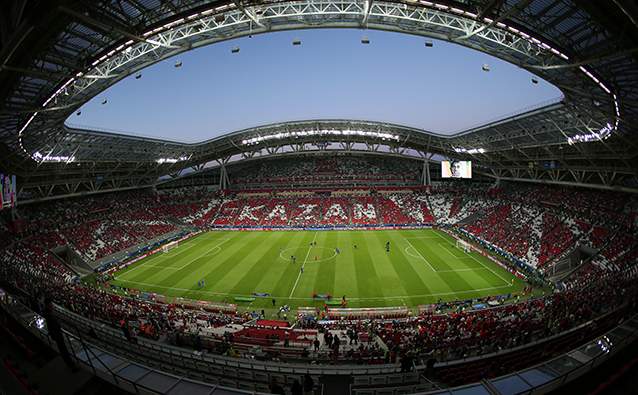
(213, 271)
(291, 270)
(324, 280)
(358, 257)
(180, 258)
(454, 279)
(345, 277)
(320, 255)
(489, 278)
(274, 267)
(248, 282)
(191, 267)
(473, 257)
(303, 265)
(420, 255)
(434, 282)
(398, 275)
(368, 276)
(446, 248)
(381, 298)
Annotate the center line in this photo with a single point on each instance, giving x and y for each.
(302, 265)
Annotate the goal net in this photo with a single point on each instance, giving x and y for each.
(169, 246)
(463, 245)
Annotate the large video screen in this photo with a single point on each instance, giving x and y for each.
(8, 191)
(456, 169)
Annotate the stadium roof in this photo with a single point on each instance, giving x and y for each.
(57, 55)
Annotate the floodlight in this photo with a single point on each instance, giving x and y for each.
(486, 67)
(78, 113)
(220, 18)
(138, 76)
(105, 101)
(178, 64)
(365, 40)
(296, 41)
(429, 44)
(235, 50)
(534, 81)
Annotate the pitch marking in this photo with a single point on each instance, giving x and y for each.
(334, 253)
(214, 251)
(163, 257)
(482, 264)
(185, 247)
(421, 255)
(216, 247)
(472, 269)
(452, 253)
(291, 298)
(302, 265)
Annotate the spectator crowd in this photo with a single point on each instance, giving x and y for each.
(536, 224)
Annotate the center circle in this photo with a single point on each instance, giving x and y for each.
(301, 253)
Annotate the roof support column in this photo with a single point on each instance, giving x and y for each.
(367, 5)
(224, 182)
(425, 177)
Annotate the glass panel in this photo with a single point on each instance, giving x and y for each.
(473, 390)
(538, 376)
(619, 333)
(594, 349)
(510, 385)
(133, 372)
(109, 360)
(227, 391)
(158, 382)
(189, 388)
(564, 364)
(632, 323)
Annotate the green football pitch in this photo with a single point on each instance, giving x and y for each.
(421, 267)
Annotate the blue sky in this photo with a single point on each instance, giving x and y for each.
(331, 75)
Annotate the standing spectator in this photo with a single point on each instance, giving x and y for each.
(296, 388)
(308, 384)
(275, 388)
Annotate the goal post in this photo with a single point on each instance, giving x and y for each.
(169, 246)
(463, 245)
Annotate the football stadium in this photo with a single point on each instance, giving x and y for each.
(352, 197)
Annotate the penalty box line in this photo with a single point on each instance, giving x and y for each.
(166, 256)
(180, 267)
(481, 263)
(421, 255)
(218, 246)
(452, 253)
(467, 256)
(471, 269)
